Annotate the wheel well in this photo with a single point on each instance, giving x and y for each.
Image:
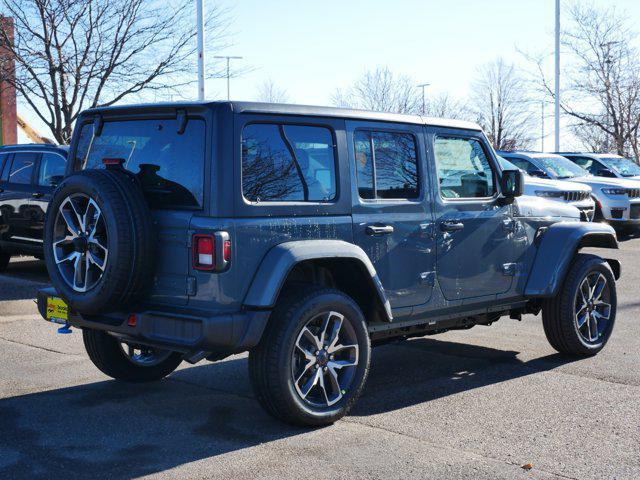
(598, 240)
(346, 274)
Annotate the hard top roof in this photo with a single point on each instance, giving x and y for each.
(301, 110)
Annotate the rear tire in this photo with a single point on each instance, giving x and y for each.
(106, 353)
(279, 377)
(574, 320)
(5, 258)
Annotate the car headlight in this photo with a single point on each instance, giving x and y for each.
(615, 191)
(549, 194)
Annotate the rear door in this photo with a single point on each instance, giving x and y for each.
(392, 221)
(168, 157)
(15, 203)
(50, 172)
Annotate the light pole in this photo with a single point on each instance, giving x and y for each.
(423, 86)
(228, 58)
(542, 128)
(557, 79)
(200, 15)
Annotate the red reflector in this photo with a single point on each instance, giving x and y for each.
(203, 248)
(132, 320)
(226, 251)
(112, 161)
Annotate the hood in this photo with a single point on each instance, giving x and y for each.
(603, 182)
(556, 184)
(529, 206)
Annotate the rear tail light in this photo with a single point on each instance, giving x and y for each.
(203, 252)
(211, 252)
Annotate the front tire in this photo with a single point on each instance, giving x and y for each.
(580, 318)
(128, 362)
(312, 362)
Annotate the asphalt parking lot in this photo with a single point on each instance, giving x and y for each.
(471, 404)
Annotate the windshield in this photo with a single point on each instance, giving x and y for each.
(624, 166)
(560, 167)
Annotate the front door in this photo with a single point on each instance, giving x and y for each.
(392, 222)
(474, 228)
(15, 200)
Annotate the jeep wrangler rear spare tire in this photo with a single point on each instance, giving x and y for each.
(98, 241)
(5, 258)
(312, 362)
(580, 318)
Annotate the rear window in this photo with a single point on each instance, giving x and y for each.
(22, 168)
(288, 163)
(170, 166)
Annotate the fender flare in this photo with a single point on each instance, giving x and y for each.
(278, 262)
(557, 247)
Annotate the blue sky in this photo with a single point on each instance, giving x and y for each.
(309, 48)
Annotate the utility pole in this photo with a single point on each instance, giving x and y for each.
(557, 80)
(228, 58)
(542, 128)
(423, 85)
(200, 15)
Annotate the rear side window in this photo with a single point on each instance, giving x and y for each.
(169, 165)
(386, 165)
(22, 168)
(463, 168)
(288, 163)
(52, 167)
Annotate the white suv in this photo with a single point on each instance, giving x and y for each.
(570, 193)
(617, 199)
(606, 165)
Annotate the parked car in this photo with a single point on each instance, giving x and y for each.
(570, 193)
(29, 174)
(617, 199)
(304, 235)
(605, 164)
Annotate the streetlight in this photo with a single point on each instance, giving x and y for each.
(200, 15)
(228, 58)
(557, 79)
(423, 85)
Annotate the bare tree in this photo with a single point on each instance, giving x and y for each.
(602, 71)
(444, 106)
(593, 138)
(269, 92)
(501, 106)
(381, 90)
(74, 54)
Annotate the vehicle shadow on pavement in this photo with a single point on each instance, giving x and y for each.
(13, 285)
(116, 430)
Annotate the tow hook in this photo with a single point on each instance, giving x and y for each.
(64, 329)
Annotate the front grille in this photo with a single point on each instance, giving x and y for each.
(575, 196)
(633, 192)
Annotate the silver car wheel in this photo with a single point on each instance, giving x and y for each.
(592, 307)
(144, 356)
(80, 242)
(324, 359)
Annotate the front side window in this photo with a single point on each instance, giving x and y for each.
(386, 165)
(52, 167)
(168, 164)
(22, 168)
(288, 163)
(560, 167)
(463, 168)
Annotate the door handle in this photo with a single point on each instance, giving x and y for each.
(37, 194)
(451, 225)
(379, 229)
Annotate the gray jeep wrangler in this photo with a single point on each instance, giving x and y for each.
(304, 235)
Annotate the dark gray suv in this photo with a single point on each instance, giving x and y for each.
(304, 235)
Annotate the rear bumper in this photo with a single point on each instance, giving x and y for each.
(190, 333)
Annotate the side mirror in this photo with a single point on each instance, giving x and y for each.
(55, 180)
(512, 183)
(538, 174)
(605, 172)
